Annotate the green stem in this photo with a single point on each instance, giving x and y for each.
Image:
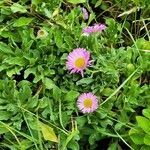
(116, 91)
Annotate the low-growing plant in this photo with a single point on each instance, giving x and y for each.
(74, 74)
(140, 135)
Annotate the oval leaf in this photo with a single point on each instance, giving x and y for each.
(136, 136)
(22, 21)
(144, 123)
(146, 113)
(147, 139)
(71, 95)
(18, 8)
(4, 48)
(48, 132)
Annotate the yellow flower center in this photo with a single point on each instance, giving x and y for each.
(80, 63)
(87, 103)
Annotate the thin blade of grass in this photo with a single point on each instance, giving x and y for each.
(124, 140)
(44, 120)
(71, 135)
(121, 86)
(30, 131)
(39, 133)
(146, 29)
(60, 117)
(7, 127)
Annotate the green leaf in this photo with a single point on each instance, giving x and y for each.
(113, 146)
(22, 21)
(48, 132)
(73, 145)
(26, 144)
(3, 129)
(32, 102)
(4, 115)
(69, 138)
(15, 70)
(147, 139)
(91, 18)
(15, 61)
(5, 48)
(56, 93)
(29, 71)
(58, 38)
(25, 93)
(81, 121)
(18, 8)
(146, 113)
(38, 78)
(136, 136)
(144, 147)
(85, 81)
(36, 2)
(98, 3)
(76, 1)
(144, 123)
(107, 91)
(49, 83)
(71, 95)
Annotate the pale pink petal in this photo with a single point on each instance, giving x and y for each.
(82, 98)
(73, 56)
(93, 29)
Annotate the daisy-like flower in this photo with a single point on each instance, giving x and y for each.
(85, 13)
(87, 102)
(93, 29)
(78, 60)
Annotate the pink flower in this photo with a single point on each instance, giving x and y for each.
(87, 102)
(78, 60)
(93, 29)
(85, 13)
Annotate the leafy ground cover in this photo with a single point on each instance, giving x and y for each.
(38, 95)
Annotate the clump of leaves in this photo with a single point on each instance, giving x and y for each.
(38, 95)
(140, 135)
